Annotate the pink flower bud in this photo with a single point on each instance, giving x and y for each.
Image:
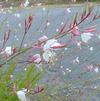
(35, 58)
(75, 31)
(91, 29)
(43, 39)
(58, 45)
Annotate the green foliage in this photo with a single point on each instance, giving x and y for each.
(27, 78)
(5, 83)
(23, 79)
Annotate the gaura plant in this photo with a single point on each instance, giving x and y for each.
(14, 87)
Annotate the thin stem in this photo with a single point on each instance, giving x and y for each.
(64, 33)
(22, 41)
(15, 55)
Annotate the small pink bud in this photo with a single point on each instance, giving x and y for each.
(35, 58)
(14, 50)
(58, 45)
(43, 39)
(75, 31)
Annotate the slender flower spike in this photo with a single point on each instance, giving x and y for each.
(21, 95)
(6, 37)
(86, 37)
(30, 20)
(28, 23)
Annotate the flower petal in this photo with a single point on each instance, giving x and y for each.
(36, 58)
(75, 31)
(48, 55)
(86, 37)
(58, 45)
(49, 43)
(8, 50)
(21, 95)
(26, 3)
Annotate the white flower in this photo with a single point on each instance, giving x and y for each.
(26, 3)
(52, 44)
(86, 37)
(48, 48)
(8, 50)
(48, 55)
(96, 70)
(21, 95)
(69, 10)
(49, 43)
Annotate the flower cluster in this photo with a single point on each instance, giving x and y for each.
(47, 48)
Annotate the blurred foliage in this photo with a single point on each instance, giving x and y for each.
(22, 79)
(49, 1)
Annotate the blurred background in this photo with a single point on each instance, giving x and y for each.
(7, 3)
